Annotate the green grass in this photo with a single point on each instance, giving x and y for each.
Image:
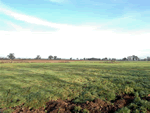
(36, 83)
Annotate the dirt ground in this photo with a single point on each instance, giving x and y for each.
(50, 61)
(38, 61)
(67, 106)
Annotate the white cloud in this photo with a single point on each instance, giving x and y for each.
(71, 41)
(34, 20)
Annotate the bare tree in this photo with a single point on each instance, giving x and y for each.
(50, 57)
(11, 56)
(38, 57)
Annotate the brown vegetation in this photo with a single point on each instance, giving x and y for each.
(67, 106)
(37, 61)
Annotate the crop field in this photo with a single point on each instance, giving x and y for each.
(75, 87)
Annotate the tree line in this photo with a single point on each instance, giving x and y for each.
(50, 57)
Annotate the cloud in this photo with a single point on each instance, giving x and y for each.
(34, 20)
(29, 19)
(70, 40)
(17, 28)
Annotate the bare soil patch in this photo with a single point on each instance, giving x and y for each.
(37, 61)
(68, 106)
(48, 61)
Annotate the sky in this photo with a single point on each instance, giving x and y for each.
(75, 28)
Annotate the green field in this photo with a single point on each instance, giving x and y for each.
(36, 83)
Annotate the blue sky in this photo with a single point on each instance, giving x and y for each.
(75, 28)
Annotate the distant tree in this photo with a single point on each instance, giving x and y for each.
(105, 58)
(50, 57)
(113, 60)
(11, 56)
(133, 58)
(55, 57)
(4, 58)
(124, 59)
(38, 57)
(77, 59)
(84, 58)
(137, 58)
(70, 58)
(148, 58)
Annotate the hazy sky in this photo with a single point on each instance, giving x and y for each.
(75, 28)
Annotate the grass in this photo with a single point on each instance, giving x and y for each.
(36, 83)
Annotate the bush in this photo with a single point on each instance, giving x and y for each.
(123, 110)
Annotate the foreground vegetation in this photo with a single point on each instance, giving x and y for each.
(36, 83)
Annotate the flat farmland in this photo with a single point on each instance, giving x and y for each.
(66, 86)
(37, 61)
